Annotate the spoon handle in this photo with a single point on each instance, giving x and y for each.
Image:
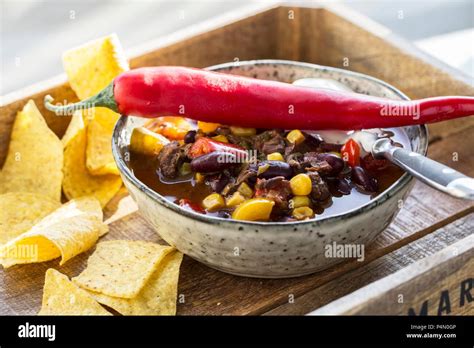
(433, 173)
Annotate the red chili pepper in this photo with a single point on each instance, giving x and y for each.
(241, 101)
(204, 146)
(187, 204)
(351, 152)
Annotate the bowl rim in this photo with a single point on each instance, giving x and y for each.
(403, 181)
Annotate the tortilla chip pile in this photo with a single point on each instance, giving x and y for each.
(89, 167)
(131, 277)
(34, 226)
(39, 166)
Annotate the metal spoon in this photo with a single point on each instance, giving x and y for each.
(432, 173)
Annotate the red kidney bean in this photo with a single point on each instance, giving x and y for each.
(336, 163)
(313, 139)
(363, 180)
(190, 137)
(343, 186)
(371, 164)
(275, 168)
(218, 182)
(214, 162)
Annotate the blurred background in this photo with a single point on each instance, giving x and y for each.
(34, 33)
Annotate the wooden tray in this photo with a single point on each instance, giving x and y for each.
(426, 250)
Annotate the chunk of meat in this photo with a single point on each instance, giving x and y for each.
(320, 190)
(244, 142)
(314, 162)
(170, 158)
(248, 174)
(277, 189)
(269, 142)
(295, 160)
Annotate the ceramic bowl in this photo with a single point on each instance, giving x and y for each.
(270, 249)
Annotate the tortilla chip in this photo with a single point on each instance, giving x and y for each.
(62, 297)
(100, 160)
(35, 157)
(157, 297)
(121, 268)
(90, 68)
(19, 211)
(75, 125)
(78, 182)
(68, 231)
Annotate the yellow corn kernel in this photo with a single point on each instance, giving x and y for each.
(299, 201)
(295, 137)
(302, 213)
(255, 209)
(276, 156)
(234, 200)
(147, 142)
(208, 127)
(199, 178)
(213, 202)
(243, 132)
(301, 185)
(245, 190)
(221, 138)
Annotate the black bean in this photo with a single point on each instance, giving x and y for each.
(363, 180)
(223, 214)
(270, 169)
(218, 182)
(313, 139)
(214, 162)
(343, 186)
(190, 137)
(386, 134)
(336, 163)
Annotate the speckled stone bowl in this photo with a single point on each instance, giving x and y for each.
(269, 249)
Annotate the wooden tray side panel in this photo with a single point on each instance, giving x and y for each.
(250, 38)
(440, 284)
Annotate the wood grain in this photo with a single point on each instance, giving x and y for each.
(384, 266)
(440, 284)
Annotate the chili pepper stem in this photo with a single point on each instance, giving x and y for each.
(105, 98)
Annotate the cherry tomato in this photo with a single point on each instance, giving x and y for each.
(351, 152)
(172, 127)
(203, 146)
(189, 205)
